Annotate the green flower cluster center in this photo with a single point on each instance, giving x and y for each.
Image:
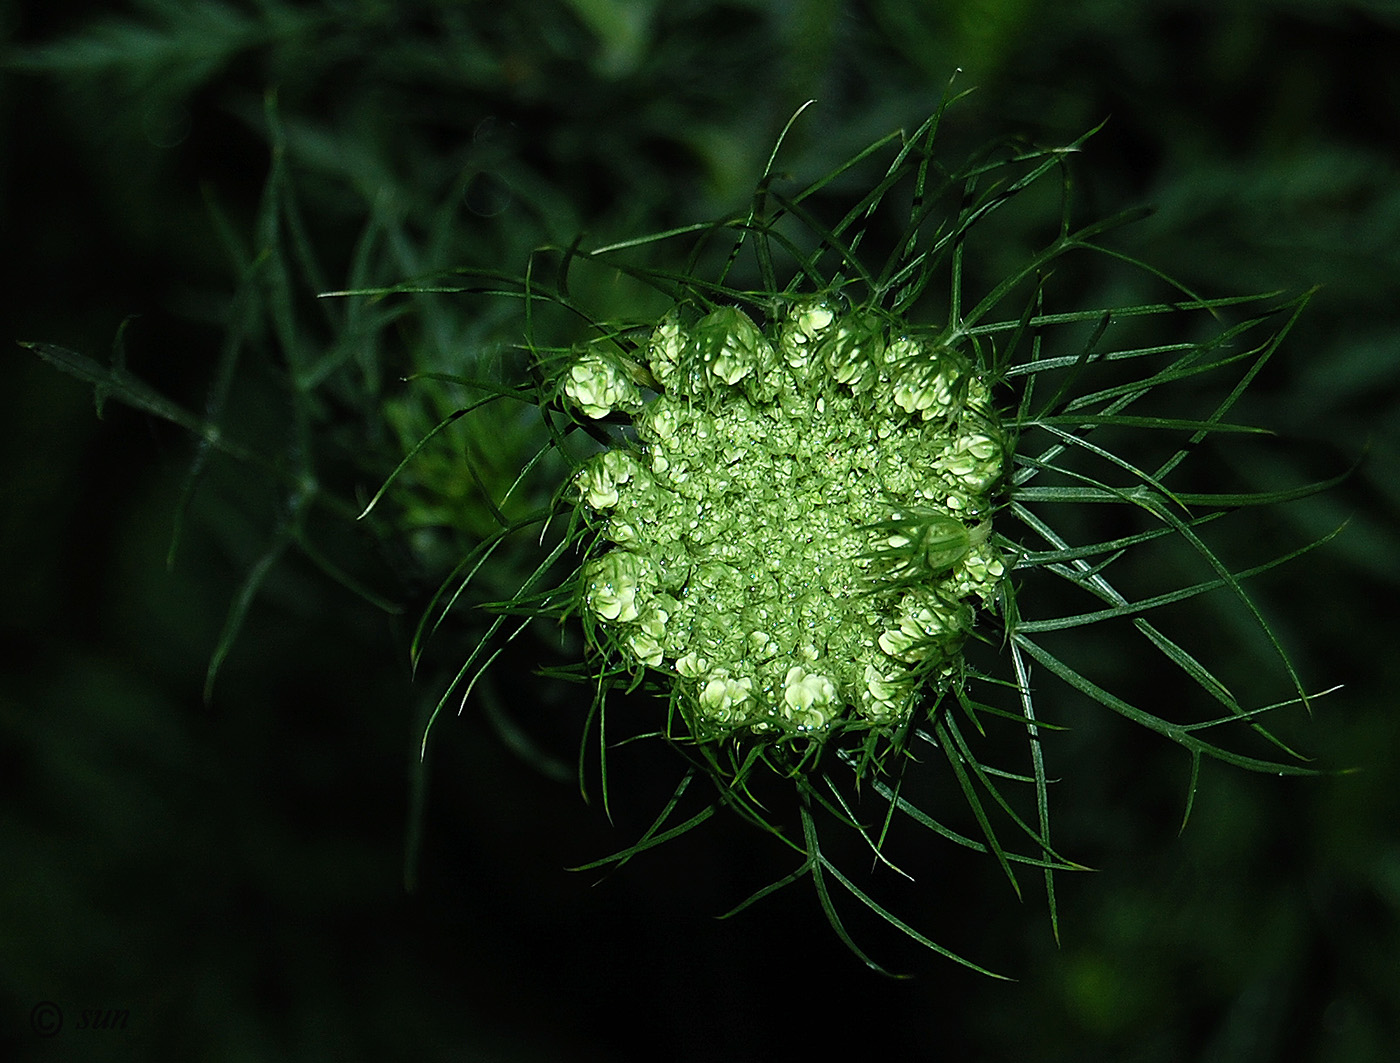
(800, 531)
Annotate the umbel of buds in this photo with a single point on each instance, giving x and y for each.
(797, 528)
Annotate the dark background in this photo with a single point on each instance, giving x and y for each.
(230, 872)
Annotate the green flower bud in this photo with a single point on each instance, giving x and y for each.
(853, 352)
(598, 384)
(599, 480)
(926, 541)
(647, 643)
(667, 350)
(882, 694)
(807, 324)
(810, 698)
(925, 377)
(722, 698)
(729, 348)
(613, 583)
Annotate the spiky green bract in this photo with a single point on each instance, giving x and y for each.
(826, 508)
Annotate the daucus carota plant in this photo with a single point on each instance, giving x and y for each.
(796, 503)
(828, 494)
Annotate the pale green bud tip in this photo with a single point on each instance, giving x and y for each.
(666, 349)
(646, 642)
(599, 480)
(807, 325)
(810, 698)
(598, 385)
(612, 583)
(723, 697)
(728, 348)
(882, 696)
(924, 377)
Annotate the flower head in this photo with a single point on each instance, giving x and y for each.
(780, 509)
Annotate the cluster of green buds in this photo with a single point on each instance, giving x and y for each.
(797, 527)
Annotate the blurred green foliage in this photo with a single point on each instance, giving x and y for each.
(230, 871)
